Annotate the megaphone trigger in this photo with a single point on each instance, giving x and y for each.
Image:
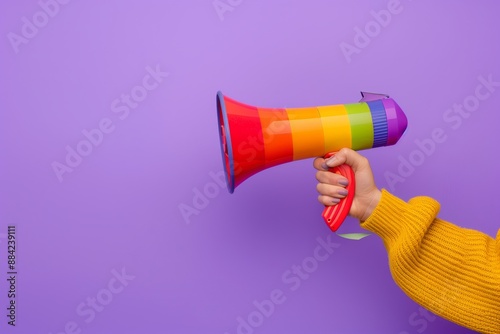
(335, 215)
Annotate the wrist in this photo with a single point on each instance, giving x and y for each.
(374, 201)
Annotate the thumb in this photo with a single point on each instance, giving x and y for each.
(346, 156)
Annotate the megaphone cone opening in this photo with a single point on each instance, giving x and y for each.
(225, 142)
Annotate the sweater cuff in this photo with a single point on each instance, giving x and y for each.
(386, 219)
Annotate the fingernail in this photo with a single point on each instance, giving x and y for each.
(330, 161)
(324, 166)
(344, 182)
(336, 200)
(343, 192)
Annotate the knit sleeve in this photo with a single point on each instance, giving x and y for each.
(451, 271)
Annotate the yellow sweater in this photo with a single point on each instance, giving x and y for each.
(451, 271)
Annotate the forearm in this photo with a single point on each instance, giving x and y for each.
(452, 271)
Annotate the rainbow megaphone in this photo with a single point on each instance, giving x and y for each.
(254, 138)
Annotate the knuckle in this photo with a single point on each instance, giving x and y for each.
(332, 178)
(344, 151)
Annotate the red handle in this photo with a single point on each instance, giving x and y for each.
(335, 215)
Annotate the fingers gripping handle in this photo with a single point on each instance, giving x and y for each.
(335, 215)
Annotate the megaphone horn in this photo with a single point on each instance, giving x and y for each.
(254, 138)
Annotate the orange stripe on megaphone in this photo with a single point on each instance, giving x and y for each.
(277, 136)
(307, 133)
(336, 127)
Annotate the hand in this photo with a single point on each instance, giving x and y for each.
(331, 186)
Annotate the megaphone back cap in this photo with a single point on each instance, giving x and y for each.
(396, 120)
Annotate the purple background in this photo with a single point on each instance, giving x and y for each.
(120, 208)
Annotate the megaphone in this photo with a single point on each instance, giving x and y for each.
(253, 138)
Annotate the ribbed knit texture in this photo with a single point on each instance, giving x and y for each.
(451, 271)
